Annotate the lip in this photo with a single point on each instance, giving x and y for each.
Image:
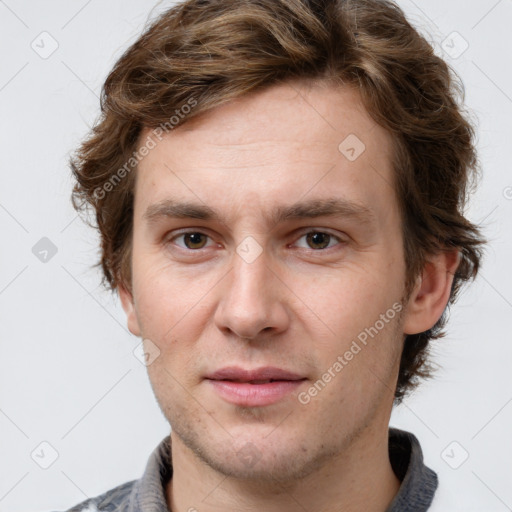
(265, 373)
(234, 385)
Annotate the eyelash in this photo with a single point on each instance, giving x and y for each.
(303, 234)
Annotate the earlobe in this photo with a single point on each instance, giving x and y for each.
(129, 308)
(431, 293)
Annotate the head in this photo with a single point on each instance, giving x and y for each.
(220, 104)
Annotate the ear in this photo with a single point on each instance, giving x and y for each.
(431, 292)
(129, 308)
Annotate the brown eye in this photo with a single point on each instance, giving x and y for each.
(194, 240)
(318, 240)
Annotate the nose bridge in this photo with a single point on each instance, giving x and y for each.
(251, 300)
(251, 272)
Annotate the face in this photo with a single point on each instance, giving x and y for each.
(287, 254)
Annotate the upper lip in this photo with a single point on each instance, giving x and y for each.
(265, 373)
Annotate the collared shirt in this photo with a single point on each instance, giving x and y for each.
(417, 489)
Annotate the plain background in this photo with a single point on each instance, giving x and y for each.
(68, 374)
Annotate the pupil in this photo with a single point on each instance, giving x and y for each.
(319, 238)
(194, 239)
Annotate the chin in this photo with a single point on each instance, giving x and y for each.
(254, 458)
(283, 469)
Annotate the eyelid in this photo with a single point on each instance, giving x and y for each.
(298, 235)
(325, 231)
(185, 231)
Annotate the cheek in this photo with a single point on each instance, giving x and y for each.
(346, 300)
(355, 328)
(359, 375)
(166, 299)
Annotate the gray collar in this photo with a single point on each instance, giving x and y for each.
(419, 483)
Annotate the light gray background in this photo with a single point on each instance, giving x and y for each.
(68, 375)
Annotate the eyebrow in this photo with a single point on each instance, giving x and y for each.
(308, 209)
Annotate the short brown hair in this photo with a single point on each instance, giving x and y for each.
(213, 51)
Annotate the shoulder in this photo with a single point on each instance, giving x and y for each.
(136, 495)
(114, 500)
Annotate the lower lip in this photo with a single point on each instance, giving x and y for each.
(250, 395)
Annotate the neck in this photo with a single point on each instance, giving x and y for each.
(361, 478)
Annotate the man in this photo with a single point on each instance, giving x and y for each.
(279, 189)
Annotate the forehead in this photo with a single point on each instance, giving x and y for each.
(272, 147)
(312, 112)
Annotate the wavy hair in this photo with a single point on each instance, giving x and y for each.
(214, 51)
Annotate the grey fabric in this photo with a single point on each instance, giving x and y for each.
(419, 483)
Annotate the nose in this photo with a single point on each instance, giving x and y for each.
(252, 303)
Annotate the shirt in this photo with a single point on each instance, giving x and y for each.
(416, 493)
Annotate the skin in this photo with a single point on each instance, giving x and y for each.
(299, 305)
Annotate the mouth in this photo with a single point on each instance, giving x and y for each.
(251, 388)
(252, 381)
(258, 375)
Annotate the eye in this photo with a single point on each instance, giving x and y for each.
(191, 239)
(314, 240)
(318, 240)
